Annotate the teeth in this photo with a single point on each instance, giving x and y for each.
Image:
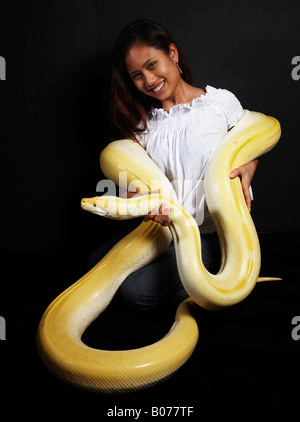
(159, 87)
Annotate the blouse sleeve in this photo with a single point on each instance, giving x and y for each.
(229, 105)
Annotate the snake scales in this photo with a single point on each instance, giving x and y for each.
(63, 323)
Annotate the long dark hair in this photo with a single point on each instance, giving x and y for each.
(128, 106)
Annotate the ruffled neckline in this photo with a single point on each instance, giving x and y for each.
(178, 108)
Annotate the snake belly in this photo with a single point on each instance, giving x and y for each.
(64, 321)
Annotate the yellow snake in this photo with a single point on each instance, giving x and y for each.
(63, 323)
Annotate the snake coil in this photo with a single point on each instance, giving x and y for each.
(63, 323)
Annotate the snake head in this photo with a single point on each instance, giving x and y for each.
(95, 205)
(124, 209)
(107, 206)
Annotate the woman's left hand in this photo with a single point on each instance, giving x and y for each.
(246, 173)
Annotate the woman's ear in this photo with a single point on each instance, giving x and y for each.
(173, 53)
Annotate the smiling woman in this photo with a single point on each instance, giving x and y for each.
(150, 76)
(158, 75)
(180, 126)
(130, 105)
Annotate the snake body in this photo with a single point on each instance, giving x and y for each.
(63, 323)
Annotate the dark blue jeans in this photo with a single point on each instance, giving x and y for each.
(158, 283)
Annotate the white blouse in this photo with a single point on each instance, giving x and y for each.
(182, 140)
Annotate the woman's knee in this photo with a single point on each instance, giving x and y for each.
(135, 295)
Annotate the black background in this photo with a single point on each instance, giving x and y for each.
(55, 121)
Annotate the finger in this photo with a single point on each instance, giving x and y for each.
(158, 219)
(164, 210)
(151, 215)
(148, 192)
(235, 173)
(154, 212)
(247, 196)
(162, 220)
(151, 191)
(166, 222)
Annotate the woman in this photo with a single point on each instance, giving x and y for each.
(179, 125)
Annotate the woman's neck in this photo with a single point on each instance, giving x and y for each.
(184, 94)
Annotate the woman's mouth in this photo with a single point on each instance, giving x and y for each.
(159, 88)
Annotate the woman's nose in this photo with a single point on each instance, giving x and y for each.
(149, 79)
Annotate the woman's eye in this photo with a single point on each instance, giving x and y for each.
(136, 76)
(152, 65)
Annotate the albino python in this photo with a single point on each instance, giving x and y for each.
(63, 323)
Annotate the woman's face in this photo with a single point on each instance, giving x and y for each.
(153, 72)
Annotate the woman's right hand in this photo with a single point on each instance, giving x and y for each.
(160, 216)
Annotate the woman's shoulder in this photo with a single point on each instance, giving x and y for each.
(225, 101)
(219, 94)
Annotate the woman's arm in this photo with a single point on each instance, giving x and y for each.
(246, 173)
